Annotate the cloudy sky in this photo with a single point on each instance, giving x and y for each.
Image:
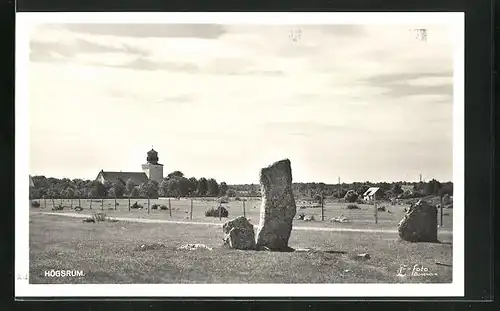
(359, 102)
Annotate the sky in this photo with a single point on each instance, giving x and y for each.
(359, 102)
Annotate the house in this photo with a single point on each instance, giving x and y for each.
(32, 184)
(150, 170)
(371, 194)
(137, 177)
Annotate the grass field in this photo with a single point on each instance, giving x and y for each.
(181, 210)
(110, 252)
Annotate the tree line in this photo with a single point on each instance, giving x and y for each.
(174, 185)
(177, 185)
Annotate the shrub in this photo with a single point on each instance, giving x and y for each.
(351, 196)
(214, 212)
(78, 209)
(352, 206)
(381, 208)
(301, 216)
(58, 208)
(155, 206)
(237, 199)
(136, 206)
(163, 207)
(35, 204)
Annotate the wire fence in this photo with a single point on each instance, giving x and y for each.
(213, 208)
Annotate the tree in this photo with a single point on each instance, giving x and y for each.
(432, 187)
(223, 188)
(163, 188)
(98, 190)
(351, 196)
(108, 184)
(213, 187)
(183, 186)
(173, 187)
(193, 185)
(149, 189)
(129, 186)
(119, 187)
(231, 192)
(175, 174)
(362, 189)
(135, 192)
(396, 189)
(202, 187)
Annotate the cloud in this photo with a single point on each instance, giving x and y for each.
(343, 30)
(204, 31)
(406, 84)
(49, 51)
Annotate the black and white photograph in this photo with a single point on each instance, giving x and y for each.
(220, 154)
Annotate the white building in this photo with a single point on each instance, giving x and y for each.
(151, 170)
(371, 194)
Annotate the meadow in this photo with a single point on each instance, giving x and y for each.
(364, 217)
(133, 252)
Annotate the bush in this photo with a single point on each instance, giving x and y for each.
(58, 208)
(136, 206)
(35, 204)
(214, 212)
(155, 206)
(237, 199)
(163, 207)
(352, 206)
(381, 208)
(351, 196)
(301, 216)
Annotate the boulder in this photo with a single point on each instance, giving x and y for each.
(277, 208)
(239, 233)
(419, 224)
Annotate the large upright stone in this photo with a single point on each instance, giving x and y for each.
(239, 234)
(419, 223)
(278, 206)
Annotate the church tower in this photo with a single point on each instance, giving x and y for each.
(152, 168)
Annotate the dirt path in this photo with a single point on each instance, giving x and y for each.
(162, 221)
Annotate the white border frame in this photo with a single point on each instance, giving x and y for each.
(24, 22)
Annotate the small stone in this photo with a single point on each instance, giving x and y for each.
(363, 256)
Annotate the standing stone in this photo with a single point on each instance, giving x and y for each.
(239, 234)
(419, 223)
(278, 206)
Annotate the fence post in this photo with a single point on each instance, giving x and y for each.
(441, 208)
(244, 211)
(148, 206)
(376, 212)
(71, 203)
(90, 203)
(102, 204)
(169, 207)
(220, 211)
(61, 201)
(322, 208)
(45, 202)
(79, 203)
(191, 213)
(129, 204)
(115, 202)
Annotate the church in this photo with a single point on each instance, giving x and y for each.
(151, 170)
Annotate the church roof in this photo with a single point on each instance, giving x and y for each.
(137, 177)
